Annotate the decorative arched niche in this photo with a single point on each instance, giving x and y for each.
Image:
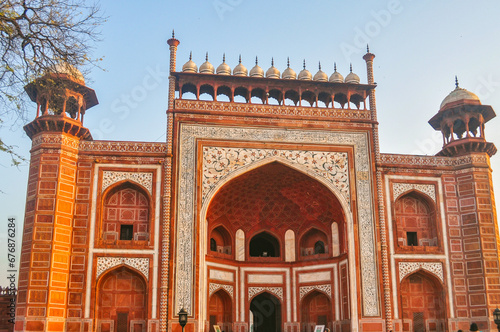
(126, 215)
(121, 301)
(220, 242)
(415, 221)
(314, 243)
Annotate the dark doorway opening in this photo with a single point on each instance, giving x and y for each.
(265, 313)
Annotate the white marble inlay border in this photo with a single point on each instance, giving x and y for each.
(191, 133)
(400, 188)
(218, 162)
(304, 290)
(106, 263)
(278, 291)
(406, 268)
(111, 177)
(212, 288)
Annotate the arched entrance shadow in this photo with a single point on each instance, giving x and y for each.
(265, 313)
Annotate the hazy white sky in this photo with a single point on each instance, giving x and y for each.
(419, 46)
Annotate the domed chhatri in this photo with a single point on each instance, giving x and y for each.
(206, 67)
(288, 73)
(305, 74)
(224, 68)
(461, 119)
(459, 96)
(336, 77)
(320, 76)
(352, 78)
(190, 66)
(272, 72)
(240, 70)
(257, 71)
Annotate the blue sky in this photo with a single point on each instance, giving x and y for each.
(419, 46)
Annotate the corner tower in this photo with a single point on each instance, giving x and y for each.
(461, 119)
(47, 251)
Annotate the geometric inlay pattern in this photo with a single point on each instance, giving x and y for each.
(106, 263)
(405, 268)
(191, 134)
(214, 287)
(327, 289)
(219, 162)
(399, 188)
(144, 179)
(278, 291)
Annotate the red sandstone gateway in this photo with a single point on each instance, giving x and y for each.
(268, 208)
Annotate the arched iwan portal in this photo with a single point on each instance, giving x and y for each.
(121, 301)
(265, 313)
(422, 303)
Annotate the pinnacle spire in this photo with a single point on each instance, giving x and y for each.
(456, 82)
(288, 62)
(304, 64)
(319, 65)
(206, 57)
(367, 48)
(351, 67)
(224, 57)
(334, 66)
(190, 55)
(239, 60)
(272, 62)
(173, 33)
(256, 60)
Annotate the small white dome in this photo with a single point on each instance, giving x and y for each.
(336, 77)
(305, 74)
(460, 94)
(256, 71)
(190, 66)
(273, 72)
(224, 68)
(320, 76)
(206, 67)
(352, 78)
(240, 70)
(288, 73)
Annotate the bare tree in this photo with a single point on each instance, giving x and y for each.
(36, 36)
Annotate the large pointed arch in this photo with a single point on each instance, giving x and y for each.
(339, 196)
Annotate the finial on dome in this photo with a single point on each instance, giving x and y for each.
(288, 62)
(334, 66)
(206, 57)
(272, 61)
(239, 60)
(351, 67)
(256, 60)
(456, 82)
(223, 57)
(319, 65)
(173, 33)
(367, 48)
(190, 55)
(304, 64)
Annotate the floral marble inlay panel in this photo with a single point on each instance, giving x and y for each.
(219, 162)
(406, 268)
(278, 291)
(111, 177)
(215, 287)
(327, 289)
(399, 188)
(106, 263)
(189, 134)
